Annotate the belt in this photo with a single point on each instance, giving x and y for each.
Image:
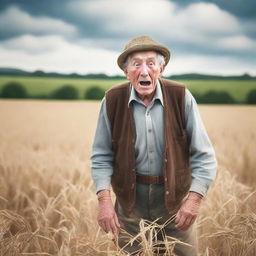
(149, 179)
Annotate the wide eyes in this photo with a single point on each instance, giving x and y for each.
(149, 64)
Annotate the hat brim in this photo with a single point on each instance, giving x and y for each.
(137, 48)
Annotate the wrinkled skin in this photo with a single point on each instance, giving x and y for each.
(143, 71)
(107, 217)
(188, 211)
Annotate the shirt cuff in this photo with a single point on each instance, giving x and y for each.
(198, 187)
(102, 184)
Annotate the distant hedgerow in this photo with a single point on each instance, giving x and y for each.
(94, 93)
(66, 92)
(14, 90)
(251, 97)
(216, 97)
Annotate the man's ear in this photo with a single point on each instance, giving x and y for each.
(161, 70)
(126, 73)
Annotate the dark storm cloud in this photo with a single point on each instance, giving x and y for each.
(91, 26)
(87, 26)
(100, 31)
(188, 27)
(244, 10)
(36, 7)
(240, 8)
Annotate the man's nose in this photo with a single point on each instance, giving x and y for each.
(144, 70)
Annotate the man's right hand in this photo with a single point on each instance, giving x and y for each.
(107, 217)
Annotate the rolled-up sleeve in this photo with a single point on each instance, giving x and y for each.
(202, 155)
(102, 154)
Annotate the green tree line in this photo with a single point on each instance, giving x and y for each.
(68, 92)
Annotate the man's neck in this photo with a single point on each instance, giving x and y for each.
(146, 99)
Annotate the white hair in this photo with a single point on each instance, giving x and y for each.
(160, 57)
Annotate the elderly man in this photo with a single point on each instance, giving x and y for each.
(152, 147)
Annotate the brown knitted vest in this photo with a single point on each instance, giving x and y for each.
(176, 154)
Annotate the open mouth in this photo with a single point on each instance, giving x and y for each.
(145, 83)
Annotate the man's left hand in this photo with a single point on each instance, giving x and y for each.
(188, 212)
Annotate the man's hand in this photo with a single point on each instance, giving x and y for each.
(188, 212)
(107, 217)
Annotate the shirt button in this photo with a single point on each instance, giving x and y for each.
(167, 192)
(133, 186)
(149, 130)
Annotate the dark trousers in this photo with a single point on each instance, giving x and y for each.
(150, 206)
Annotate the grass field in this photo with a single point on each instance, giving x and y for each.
(47, 200)
(44, 86)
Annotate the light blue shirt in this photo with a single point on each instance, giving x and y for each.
(149, 145)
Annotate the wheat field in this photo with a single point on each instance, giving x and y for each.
(47, 199)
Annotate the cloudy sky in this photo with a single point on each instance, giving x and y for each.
(86, 36)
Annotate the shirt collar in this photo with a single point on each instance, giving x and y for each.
(158, 94)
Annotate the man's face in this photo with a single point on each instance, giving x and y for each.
(143, 72)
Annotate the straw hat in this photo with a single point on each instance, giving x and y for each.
(143, 43)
